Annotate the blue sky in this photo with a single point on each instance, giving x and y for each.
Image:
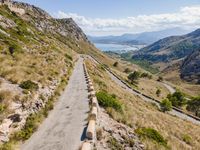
(103, 17)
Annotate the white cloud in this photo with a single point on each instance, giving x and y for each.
(186, 17)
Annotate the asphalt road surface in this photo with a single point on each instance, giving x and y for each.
(64, 129)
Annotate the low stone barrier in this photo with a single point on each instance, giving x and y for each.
(93, 114)
(91, 88)
(92, 94)
(89, 83)
(90, 133)
(91, 129)
(94, 102)
(86, 146)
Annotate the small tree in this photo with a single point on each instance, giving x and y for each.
(158, 92)
(177, 99)
(166, 105)
(160, 79)
(115, 64)
(194, 106)
(11, 50)
(127, 70)
(134, 76)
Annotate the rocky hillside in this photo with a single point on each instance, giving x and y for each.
(170, 48)
(190, 69)
(37, 53)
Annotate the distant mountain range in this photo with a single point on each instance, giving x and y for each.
(138, 39)
(170, 48)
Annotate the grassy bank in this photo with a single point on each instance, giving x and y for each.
(156, 129)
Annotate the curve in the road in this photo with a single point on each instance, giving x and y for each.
(169, 87)
(175, 111)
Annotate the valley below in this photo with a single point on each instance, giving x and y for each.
(63, 90)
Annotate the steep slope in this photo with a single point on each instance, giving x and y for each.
(190, 69)
(139, 115)
(170, 48)
(37, 54)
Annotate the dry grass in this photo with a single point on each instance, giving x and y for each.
(188, 88)
(147, 86)
(138, 113)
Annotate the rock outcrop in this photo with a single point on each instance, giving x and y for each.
(190, 69)
(45, 48)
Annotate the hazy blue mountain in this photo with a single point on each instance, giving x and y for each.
(137, 39)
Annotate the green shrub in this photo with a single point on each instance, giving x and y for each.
(114, 144)
(6, 146)
(134, 76)
(106, 100)
(29, 85)
(177, 99)
(127, 70)
(158, 92)
(146, 75)
(187, 139)
(160, 79)
(166, 105)
(194, 106)
(68, 57)
(29, 128)
(115, 64)
(151, 134)
(49, 106)
(2, 108)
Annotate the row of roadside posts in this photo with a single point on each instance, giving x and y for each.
(92, 118)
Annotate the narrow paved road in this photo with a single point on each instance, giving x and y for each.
(64, 129)
(173, 112)
(169, 87)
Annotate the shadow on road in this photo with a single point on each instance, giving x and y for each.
(83, 136)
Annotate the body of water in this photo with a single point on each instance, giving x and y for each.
(117, 47)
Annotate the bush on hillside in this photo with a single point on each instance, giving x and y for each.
(151, 134)
(134, 76)
(158, 92)
(177, 99)
(160, 79)
(127, 70)
(146, 75)
(29, 85)
(106, 100)
(194, 106)
(115, 64)
(187, 139)
(166, 105)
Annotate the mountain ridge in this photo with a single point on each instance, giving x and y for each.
(170, 48)
(140, 38)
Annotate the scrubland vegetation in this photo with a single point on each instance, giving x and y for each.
(34, 120)
(155, 128)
